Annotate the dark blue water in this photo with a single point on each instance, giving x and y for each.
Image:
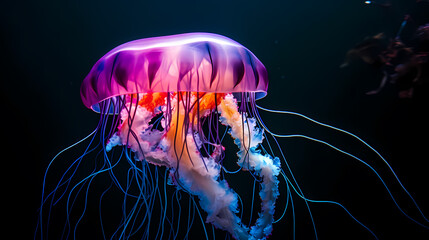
(48, 47)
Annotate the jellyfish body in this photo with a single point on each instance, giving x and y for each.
(183, 80)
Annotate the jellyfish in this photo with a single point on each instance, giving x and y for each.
(169, 103)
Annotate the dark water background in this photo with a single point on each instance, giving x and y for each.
(48, 47)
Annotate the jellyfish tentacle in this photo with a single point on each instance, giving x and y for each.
(178, 147)
(248, 138)
(146, 142)
(199, 175)
(422, 215)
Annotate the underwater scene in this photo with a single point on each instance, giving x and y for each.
(216, 120)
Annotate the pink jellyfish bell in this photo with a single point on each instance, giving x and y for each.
(182, 82)
(193, 62)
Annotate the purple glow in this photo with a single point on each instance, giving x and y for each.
(193, 62)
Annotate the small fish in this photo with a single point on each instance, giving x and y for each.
(385, 5)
